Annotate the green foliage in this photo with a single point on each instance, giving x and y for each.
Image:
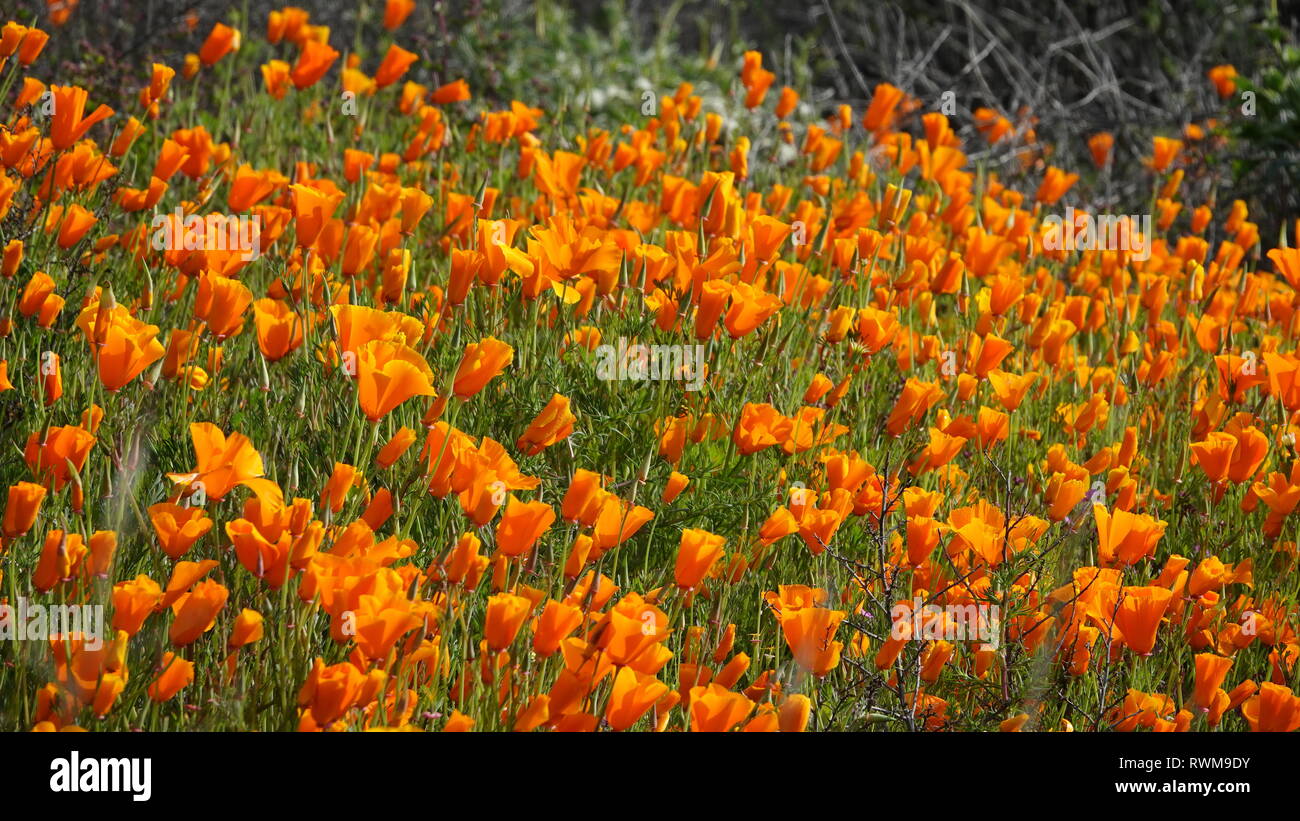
(1266, 140)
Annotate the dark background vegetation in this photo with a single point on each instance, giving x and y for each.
(1133, 67)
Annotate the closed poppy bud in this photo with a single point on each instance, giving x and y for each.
(51, 377)
(482, 361)
(13, 257)
(785, 104)
(506, 613)
(275, 76)
(355, 163)
(817, 389)
(159, 81)
(794, 713)
(61, 558)
(21, 509)
(11, 36)
(698, 552)
(380, 509)
(676, 483)
(1211, 670)
(578, 556)
(73, 224)
(176, 674)
(933, 660)
(465, 266)
(1063, 495)
(397, 267)
(463, 558)
(31, 46)
(454, 92)
(583, 500)
(106, 692)
(395, 64)
(103, 544)
(395, 447)
(396, 12)
(221, 41)
(712, 301)
(733, 671)
(312, 208)
(336, 489)
(247, 629)
(1241, 692)
(500, 572)
(1164, 152)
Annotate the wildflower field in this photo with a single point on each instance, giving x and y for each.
(335, 399)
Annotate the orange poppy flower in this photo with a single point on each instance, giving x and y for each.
(396, 12)
(521, 525)
(52, 456)
(1274, 710)
(177, 673)
(247, 629)
(482, 361)
(553, 424)
(196, 612)
(454, 92)
(68, 124)
(395, 64)
(279, 328)
(1125, 538)
(632, 696)
(809, 631)
(133, 602)
(313, 61)
(1139, 615)
(221, 303)
(505, 615)
(329, 692)
(388, 374)
(697, 553)
(715, 709)
(222, 463)
(21, 509)
(1211, 670)
(221, 41)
